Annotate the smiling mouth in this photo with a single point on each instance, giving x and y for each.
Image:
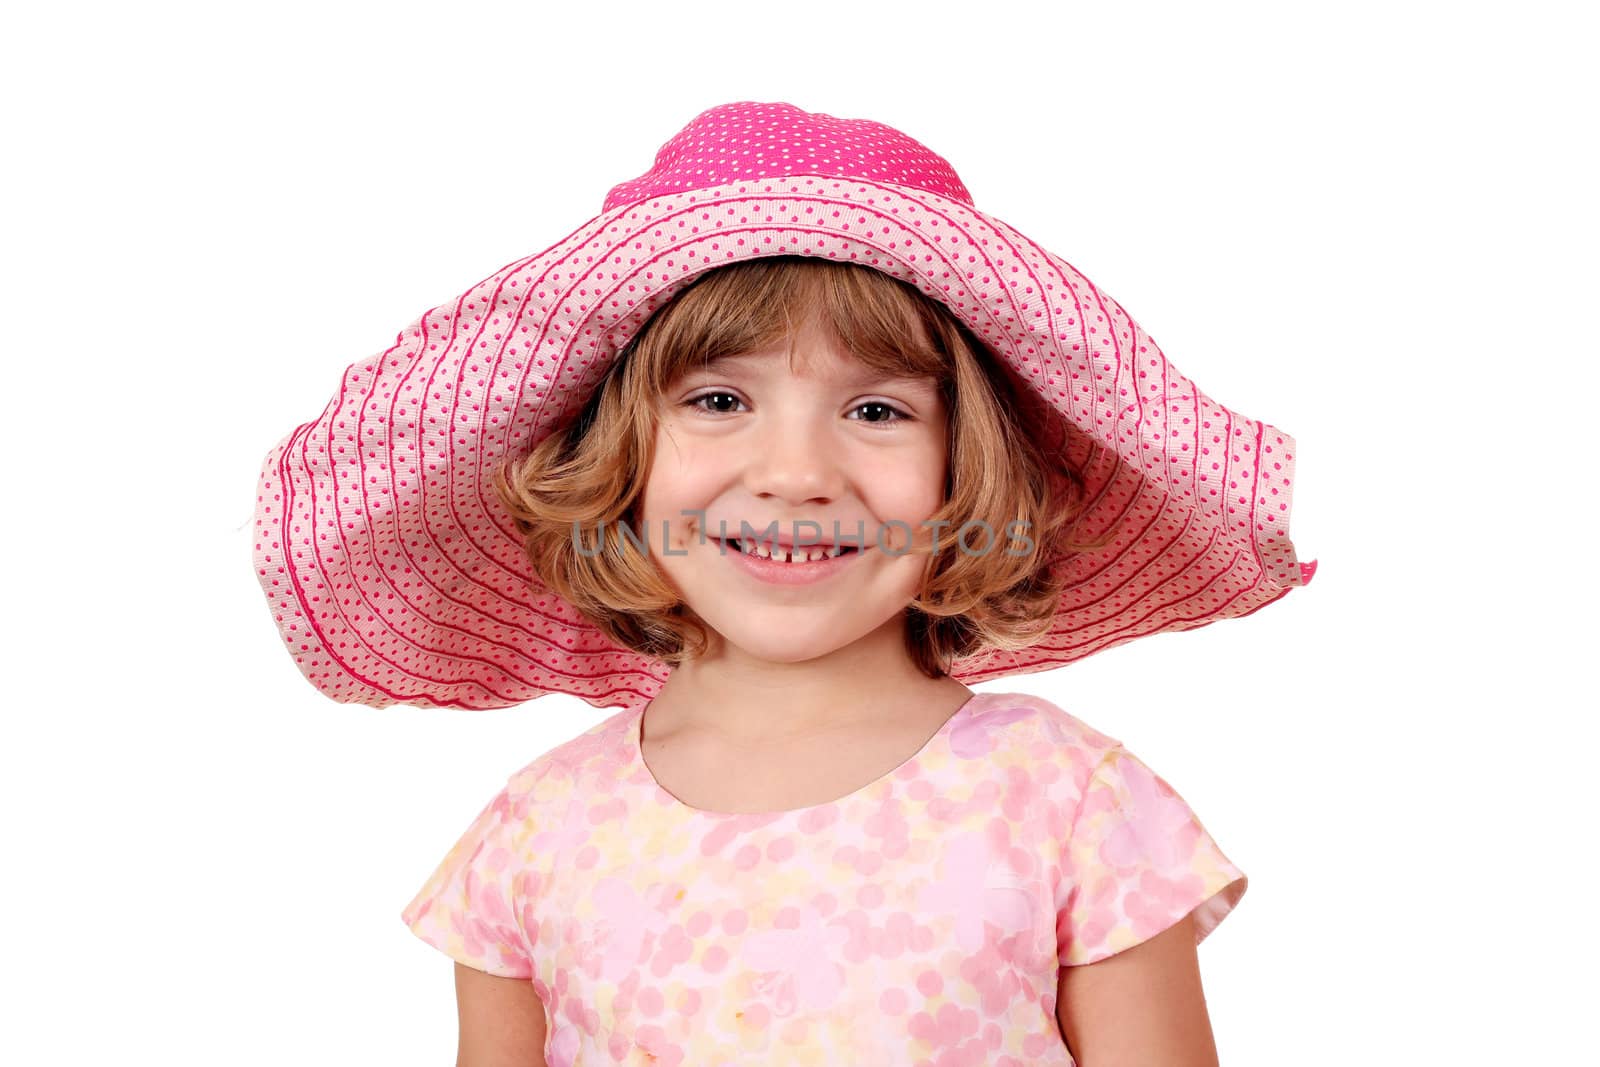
(781, 554)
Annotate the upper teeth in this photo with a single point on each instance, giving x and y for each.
(808, 554)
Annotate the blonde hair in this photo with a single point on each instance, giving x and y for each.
(593, 470)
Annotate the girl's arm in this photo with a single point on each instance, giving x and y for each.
(502, 1021)
(1140, 1006)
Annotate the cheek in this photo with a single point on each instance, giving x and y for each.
(668, 466)
(910, 487)
(679, 478)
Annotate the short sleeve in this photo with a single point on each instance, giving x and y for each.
(468, 908)
(1137, 861)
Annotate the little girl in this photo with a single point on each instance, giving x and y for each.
(777, 453)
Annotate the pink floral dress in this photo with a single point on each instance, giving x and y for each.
(922, 919)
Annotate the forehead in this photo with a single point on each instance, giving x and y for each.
(745, 321)
(823, 362)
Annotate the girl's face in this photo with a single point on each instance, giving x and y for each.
(747, 440)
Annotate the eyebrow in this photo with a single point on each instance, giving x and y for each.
(861, 377)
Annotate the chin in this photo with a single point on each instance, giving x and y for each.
(783, 636)
(788, 655)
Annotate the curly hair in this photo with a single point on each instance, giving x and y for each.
(593, 470)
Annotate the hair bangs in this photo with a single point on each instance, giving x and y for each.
(884, 323)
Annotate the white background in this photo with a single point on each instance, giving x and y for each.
(1369, 224)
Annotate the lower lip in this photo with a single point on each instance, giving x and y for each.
(788, 573)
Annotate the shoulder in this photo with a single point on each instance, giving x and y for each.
(1028, 737)
(600, 752)
(1037, 725)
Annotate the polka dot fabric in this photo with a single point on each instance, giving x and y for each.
(922, 919)
(753, 142)
(395, 575)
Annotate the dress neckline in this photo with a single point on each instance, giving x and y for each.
(636, 744)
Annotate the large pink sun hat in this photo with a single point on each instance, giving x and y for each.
(395, 575)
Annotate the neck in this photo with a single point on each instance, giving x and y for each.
(741, 697)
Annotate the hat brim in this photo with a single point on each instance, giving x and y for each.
(396, 576)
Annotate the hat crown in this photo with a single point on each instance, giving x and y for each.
(750, 141)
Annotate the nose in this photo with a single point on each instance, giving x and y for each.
(795, 461)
